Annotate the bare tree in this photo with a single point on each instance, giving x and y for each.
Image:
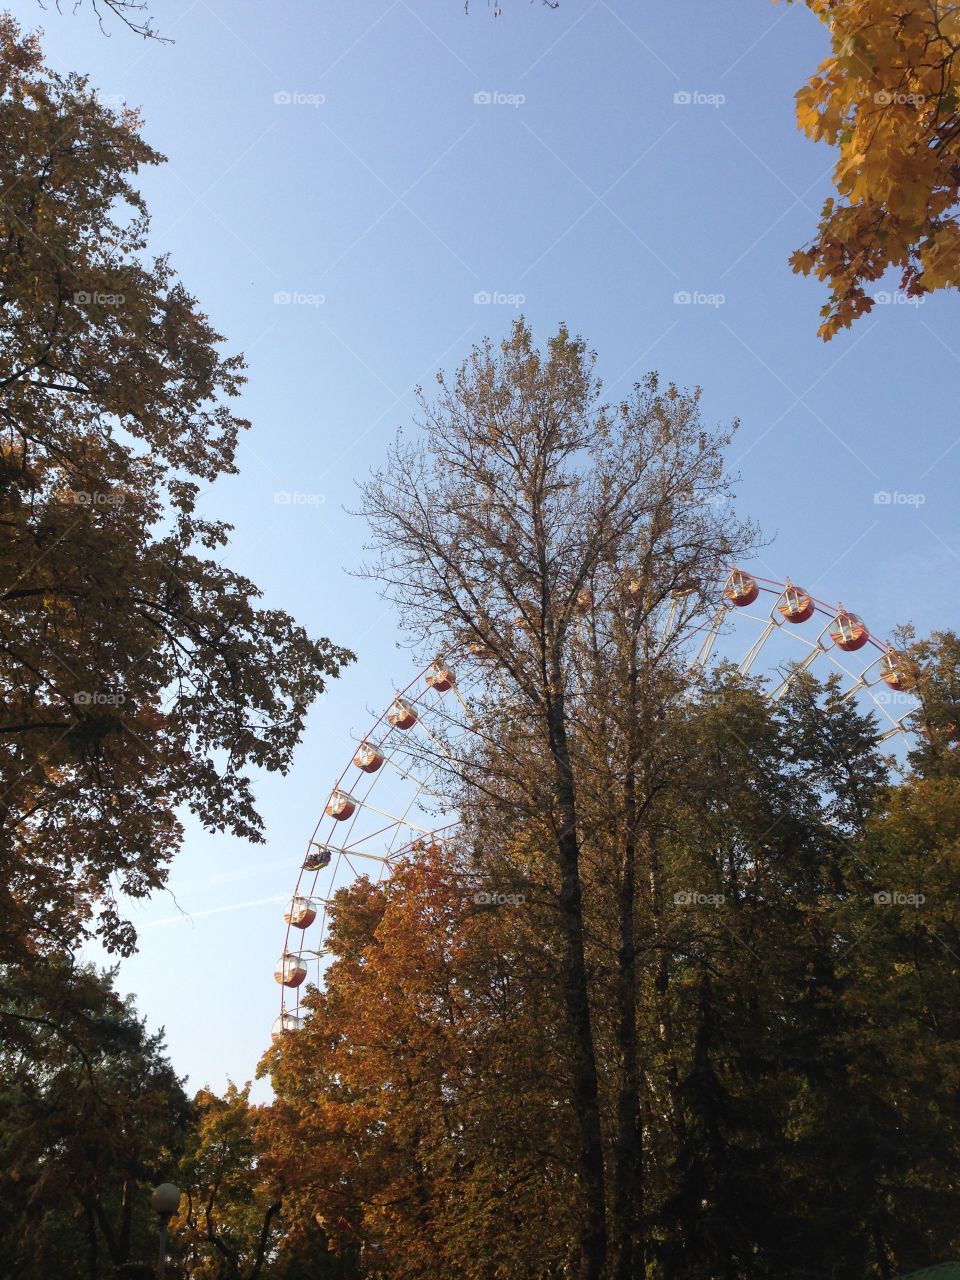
(545, 536)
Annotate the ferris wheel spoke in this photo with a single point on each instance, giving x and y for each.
(899, 726)
(414, 800)
(371, 808)
(710, 639)
(669, 624)
(358, 853)
(757, 647)
(401, 772)
(803, 665)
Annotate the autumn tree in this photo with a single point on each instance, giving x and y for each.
(417, 1114)
(562, 551)
(92, 1117)
(232, 1223)
(794, 1022)
(888, 97)
(229, 1222)
(529, 506)
(140, 674)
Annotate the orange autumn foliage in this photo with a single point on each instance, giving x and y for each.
(887, 97)
(413, 1117)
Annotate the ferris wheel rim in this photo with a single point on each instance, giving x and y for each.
(417, 694)
(773, 586)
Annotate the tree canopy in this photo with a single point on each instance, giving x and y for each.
(140, 673)
(797, 977)
(93, 1116)
(683, 1040)
(888, 97)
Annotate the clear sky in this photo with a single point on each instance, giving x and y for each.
(336, 155)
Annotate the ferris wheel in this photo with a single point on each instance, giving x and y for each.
(388, 801)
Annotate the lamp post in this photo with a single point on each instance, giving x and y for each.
(166, 1201)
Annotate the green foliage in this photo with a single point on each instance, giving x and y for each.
(92, 1117)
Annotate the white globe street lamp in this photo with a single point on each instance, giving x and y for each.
(165, 1201)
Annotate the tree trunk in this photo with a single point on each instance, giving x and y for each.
(93, 1254)
(593, 1231)
(627, 1167)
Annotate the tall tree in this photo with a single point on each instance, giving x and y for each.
(530, 505)
(139, 673)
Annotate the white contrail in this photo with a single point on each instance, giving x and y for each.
(187, 917)
(238, 873)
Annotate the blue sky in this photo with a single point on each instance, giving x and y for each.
(336, 156)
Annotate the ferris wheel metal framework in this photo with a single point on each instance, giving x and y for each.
(366, 824)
